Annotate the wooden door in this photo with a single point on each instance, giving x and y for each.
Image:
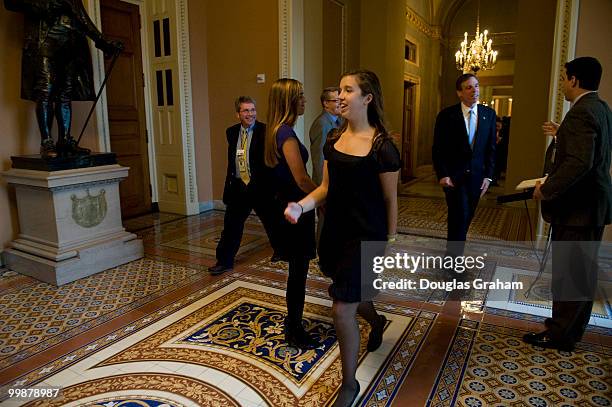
(407, 128)
(126, 108)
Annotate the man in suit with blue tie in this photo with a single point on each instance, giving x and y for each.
(464, 157)
(247, 184)
(577, 202)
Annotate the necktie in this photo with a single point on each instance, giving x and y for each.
(471, 126)
(242, 158)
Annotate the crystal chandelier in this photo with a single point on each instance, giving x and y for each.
(478, 56)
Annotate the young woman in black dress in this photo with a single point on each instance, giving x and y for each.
(288, 156)
(359, 190)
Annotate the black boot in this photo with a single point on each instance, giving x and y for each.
(297, 337)
(47, 148)
(68, 146)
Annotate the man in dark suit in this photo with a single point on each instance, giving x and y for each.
(247, 184)
(577, 201)
(464, 156)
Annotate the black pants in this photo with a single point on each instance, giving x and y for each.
(243, 199)
(574, 279)
(462, 201)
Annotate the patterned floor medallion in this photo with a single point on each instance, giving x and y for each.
(489, 365)
(230, 338)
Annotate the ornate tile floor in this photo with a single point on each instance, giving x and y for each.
(488, 365)
(162, 332)
(226, 340)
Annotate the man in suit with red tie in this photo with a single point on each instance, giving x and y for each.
(247, 184)
(577, 202)
(464, 157)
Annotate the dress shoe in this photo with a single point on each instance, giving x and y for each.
(544, 340)
(376, 334)
(343, 399)
(219, 269)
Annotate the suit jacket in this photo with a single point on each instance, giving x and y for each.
(451, 152)
(319, 130)
(577, 191)
(260, 174)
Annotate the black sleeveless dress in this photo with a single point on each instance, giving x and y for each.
(355, 213)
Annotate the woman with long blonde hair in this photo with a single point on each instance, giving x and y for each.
(359, 189)
(288, 156)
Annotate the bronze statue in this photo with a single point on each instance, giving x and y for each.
(56, 65)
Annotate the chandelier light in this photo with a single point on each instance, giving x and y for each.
(479, 56)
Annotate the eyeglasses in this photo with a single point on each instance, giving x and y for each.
(332, 100)
(248, 111)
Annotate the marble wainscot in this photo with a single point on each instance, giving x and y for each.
(70, 223)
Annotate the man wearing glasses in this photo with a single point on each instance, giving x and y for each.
(328, 119)
(247, 184)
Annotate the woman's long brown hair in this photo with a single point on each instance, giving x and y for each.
(282, 109)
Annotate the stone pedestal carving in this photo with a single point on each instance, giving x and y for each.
(70, 223)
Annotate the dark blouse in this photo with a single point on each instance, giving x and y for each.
(288, 188)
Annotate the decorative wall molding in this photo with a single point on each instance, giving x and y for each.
(564, 49)
(432, 31)
(184, 61)
(284, 15)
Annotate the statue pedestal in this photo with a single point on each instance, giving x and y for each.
(70, 223)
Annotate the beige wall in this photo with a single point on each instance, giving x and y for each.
(534, 45)
(16, 117)
(382, 51)
(241, 41)
(594, 32)
(198, 42)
